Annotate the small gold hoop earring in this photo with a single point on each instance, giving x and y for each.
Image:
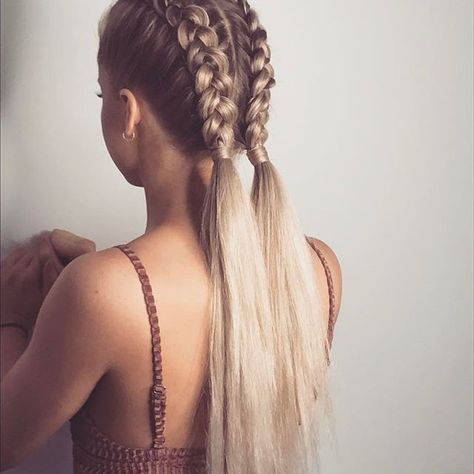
(129, 139)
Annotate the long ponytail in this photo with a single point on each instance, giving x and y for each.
(301, 332)
(241, 365)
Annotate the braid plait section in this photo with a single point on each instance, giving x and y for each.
(209, 65)
(262, 80)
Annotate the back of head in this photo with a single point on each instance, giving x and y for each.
(192, 64)
(204, 67)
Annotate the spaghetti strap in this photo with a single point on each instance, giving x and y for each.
(332, 299)
(157, 390)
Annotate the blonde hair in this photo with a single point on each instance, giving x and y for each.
(204, 66)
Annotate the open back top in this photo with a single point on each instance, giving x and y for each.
(94, 452)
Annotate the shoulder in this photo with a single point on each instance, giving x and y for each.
(85, 294)
(333, 266)
(93, 270)
(83, 308)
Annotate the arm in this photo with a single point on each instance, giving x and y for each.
(335, 276)
(13, 343)
(63, 362)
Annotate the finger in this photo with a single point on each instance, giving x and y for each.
(49, 276)
(15, 254)
(46, 252)
(69, 245)
(24, 260)
(38, 246)
(32, 271)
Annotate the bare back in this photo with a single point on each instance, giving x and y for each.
(119, 404)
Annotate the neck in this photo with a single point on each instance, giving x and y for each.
(174, 199)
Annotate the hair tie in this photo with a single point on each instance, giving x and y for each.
(221, 152)
(257, 154)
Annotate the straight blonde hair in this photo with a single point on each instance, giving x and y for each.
(204, 66)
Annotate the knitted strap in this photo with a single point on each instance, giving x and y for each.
(157, 390)
(332, 299)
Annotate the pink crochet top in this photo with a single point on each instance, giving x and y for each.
(95, 453)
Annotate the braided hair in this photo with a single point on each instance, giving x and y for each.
(262, 73)
(213, 85)
(204, 67)
(280, 234)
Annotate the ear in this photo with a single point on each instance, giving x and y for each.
(132, 115)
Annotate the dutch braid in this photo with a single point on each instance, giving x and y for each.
(241, 328)
(210, 67)
(262, 80)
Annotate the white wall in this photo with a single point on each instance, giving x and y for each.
(372, 128)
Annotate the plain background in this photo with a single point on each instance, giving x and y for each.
(371, 128)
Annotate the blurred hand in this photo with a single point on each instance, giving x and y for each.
(31, 268)
(26, 275)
